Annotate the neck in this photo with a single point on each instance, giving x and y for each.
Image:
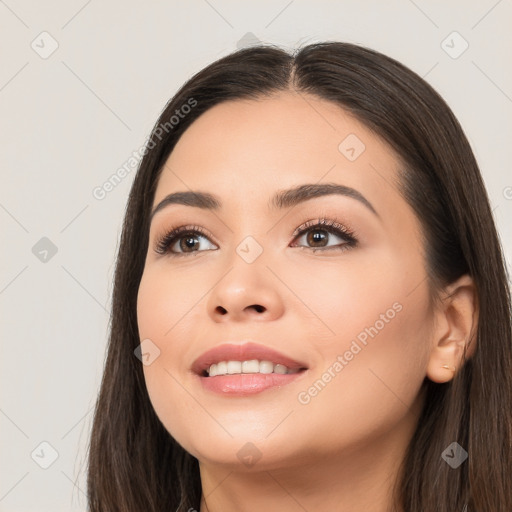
(350, 480)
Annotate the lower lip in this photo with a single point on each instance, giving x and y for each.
(247, 383)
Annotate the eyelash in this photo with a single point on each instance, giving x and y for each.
(164, 243)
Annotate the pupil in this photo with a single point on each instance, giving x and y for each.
(317, 236)
(190, 242)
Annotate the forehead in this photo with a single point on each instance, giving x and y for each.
(244, 150)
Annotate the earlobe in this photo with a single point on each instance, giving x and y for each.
(454, 335)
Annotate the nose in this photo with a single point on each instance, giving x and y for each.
(247, 292)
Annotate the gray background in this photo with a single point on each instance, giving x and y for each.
(71, 118)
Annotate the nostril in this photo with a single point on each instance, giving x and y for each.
(257, 307)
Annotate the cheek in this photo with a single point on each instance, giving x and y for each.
(372, 370)
(372, 360)
(342, 298)
(168, 303)
(370, 383)
(166, 300)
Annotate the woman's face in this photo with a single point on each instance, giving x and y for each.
(354, 312)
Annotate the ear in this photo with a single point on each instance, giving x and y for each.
(456, 321)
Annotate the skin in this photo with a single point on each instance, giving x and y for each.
(341, 450)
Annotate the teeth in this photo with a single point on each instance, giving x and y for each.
(222, 368)
(279, 368)
(266, 367)
(252, 366)
(234, 367)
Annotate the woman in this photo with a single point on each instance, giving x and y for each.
(310, 275)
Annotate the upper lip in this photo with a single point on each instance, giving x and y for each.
(242, 352)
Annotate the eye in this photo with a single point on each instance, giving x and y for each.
(182, 241)
(317, 233)
(186, 240)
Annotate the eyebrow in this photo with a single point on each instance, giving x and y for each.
(282, 199)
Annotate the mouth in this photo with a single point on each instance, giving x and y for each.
(245, 369)
(253, 366)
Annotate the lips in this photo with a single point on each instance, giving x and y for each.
(242, 352)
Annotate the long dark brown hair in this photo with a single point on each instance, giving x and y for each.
(134, 463)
